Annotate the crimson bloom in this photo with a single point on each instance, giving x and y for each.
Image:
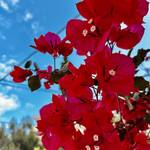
(127, 11)
(61, 117)
(100, 108)
(46, 74)
(140, 109)
(52, 44)
(20, 75)
(127, 38)
(115, 72)
(77, 84)
(141, 141)
(116, 75)
(112, 13)
(130, 11)
(55, 122)
(85, 36)
(94, 8)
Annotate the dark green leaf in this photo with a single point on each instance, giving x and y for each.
(147, 118)
(141, 83)
(34, 83)
(139, 58)
(58, 74)
(28, 64)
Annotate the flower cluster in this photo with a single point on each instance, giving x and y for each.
(103, 104)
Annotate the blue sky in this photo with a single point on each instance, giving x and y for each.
(20, 22)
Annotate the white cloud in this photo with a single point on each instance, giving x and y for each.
(5, 22)
(8, 88)
(28, 16)
(29, 105)
(11, 62)
(36, 28)
(4, 5)
(6, 66)
(8, 103)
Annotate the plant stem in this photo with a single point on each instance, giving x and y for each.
(54, 63)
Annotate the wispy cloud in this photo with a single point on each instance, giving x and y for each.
(28, 16)
(6, 65)
(36, 28)
(4, 5)
(14, 2)
(5, 22)
(8, 103)
(29, 105)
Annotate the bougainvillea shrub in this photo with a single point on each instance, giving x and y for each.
(103, 105)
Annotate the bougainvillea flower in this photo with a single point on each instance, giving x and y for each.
(93, 8)
(59, 118)
(52, 44)
(55, 121)
(111, 102)
(41, 44)
(113, 74)
(97, 123)
(19, 74)
(85, 36)
(77, 84)
(106, 15)
(116, 75)
(100, 107)
(139, 110)
(141, 142)
(128, 11)
(54, 142)
(46, 74)
(128, 37)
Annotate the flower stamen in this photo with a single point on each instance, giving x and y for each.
(85, 32)
(93, 28)
(95, 137)
(112, 72)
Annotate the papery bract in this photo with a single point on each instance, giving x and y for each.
(52, 44)
(77, 84)
(19, 74)
(129, 37)
(85, 36)
(112, 73)
(46, 74)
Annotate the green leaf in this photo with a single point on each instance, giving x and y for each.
(141, 83)
(34, 83)
(139, 58)
(147, 118)
(28, 64)
(56, 75)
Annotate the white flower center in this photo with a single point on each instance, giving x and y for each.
(79, 127)
(87, 147)
(93, 28)
(90, 21)
(95, 137)
(85, 32)
(116, 117)
(123, 26)
(112, 72)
